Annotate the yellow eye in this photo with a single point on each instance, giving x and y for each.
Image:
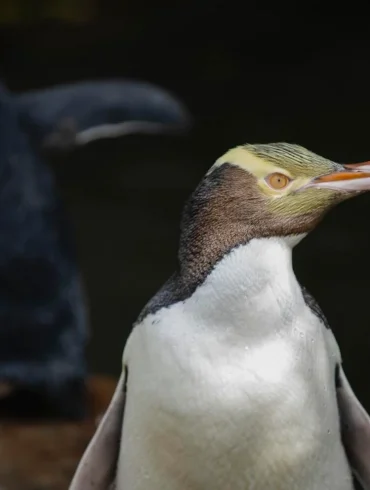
(277, 181)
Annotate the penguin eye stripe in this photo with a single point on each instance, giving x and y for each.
(277, 181)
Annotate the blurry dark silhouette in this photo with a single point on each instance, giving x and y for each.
(43, 325)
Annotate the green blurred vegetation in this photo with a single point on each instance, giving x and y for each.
(26, 11)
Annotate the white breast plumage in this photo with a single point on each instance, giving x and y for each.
(238, 376)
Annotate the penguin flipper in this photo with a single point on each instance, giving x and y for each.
(66, 116)
(355, 425)
(97, 467)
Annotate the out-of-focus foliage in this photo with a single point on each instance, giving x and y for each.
(24, 11)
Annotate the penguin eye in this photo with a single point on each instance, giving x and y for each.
(277, 181)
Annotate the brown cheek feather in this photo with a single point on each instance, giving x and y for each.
(228, 209)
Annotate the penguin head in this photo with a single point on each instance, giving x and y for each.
(276, 190)
(283, 189)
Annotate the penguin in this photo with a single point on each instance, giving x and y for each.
(43, 306)
(72, 115)
(232, 378)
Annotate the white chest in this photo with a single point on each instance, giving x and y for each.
(234, 388)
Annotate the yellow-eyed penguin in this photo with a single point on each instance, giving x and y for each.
(232, 379)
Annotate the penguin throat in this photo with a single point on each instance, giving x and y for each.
(255, 280)
(200, 257)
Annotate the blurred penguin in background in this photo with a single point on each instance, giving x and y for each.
(43, 314)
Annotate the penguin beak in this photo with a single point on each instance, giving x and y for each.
(359, 167)
(354, 178)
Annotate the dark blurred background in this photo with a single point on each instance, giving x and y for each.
(249, 72)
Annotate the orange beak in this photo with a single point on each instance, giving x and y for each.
(355, 178)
